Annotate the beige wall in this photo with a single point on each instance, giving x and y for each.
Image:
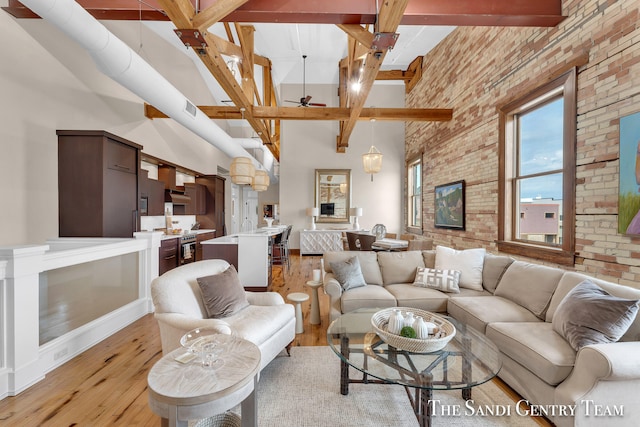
(511, 61)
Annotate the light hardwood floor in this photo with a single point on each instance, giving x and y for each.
(107, 384)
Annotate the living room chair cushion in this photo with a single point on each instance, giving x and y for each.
(399, 267)
(543, 352)
(516, 286)
(222, 293)
(468, 262)
(590, 315)
(494, 268)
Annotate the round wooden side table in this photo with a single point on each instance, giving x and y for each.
(179, 392)
(298, 298)
(314, 319)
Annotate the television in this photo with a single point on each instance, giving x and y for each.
(327, 208)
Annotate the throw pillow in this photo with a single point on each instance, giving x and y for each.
(468, 262)
(348, 273)
(223, 294)
(590, 315)
(442, 280)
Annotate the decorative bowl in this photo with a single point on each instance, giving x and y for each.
(445, 331)
(195, 339)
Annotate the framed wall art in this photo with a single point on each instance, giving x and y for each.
(629, 188)
(449, 205)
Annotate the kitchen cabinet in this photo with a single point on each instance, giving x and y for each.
(197, 194)
(151, 195)
(214, 204)
(168, 255)
(201, 237)
(98, 191)
(156, 197)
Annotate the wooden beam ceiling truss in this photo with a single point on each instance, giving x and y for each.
(211, 51)
(367, 48)
(389, 17)
(325, 113)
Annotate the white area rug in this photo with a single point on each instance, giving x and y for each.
(304, 391)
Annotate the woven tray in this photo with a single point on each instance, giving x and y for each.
(445, 328)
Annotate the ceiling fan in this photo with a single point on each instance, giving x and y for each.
(304, 101)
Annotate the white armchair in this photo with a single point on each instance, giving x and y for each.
(268, 322)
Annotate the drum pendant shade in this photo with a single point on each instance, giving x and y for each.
(242, 171)
(260, 180)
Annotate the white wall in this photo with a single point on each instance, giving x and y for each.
(48, 82)
(310, 145)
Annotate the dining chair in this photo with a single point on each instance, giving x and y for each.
(390, 235)
(420, 245)
(407, 236)
(366, 241)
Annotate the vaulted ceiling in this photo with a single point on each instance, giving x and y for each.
(251, 47)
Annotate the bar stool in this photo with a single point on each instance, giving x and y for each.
(298, 298)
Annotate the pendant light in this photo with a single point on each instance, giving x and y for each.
(372, 160)
(260, 180)
(242, 171)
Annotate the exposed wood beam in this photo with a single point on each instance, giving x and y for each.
(539, 13)
(216, 12)
(395, 75)
(414, 68)
(391, 12)
(360, 34)
(182, 14)
(317, 113)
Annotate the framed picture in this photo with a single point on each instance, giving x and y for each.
(449, 205)
(629, 188)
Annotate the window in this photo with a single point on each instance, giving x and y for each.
(537, 172)
(414, 193)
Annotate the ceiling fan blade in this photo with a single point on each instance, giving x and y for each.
(294, 102)
(305, 100)
(316, 104)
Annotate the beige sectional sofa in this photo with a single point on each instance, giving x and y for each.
(515, 308)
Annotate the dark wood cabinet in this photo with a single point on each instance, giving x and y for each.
(201, 237)
(168, 255)
(156, 197)
(214, 218)
(197, 194)
(98, 192)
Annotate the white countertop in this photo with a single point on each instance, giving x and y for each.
(233, 238)
(199, 231)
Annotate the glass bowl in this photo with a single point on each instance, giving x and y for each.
(195, 339)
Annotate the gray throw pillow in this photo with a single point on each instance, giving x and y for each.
(590, 315)
(223, 294)
(348, 273)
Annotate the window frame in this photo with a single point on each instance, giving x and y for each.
(564, 254)
(410, 165)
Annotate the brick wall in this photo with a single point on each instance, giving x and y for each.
(476, 69)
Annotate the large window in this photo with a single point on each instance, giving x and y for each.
(537, 172)
(414, 186)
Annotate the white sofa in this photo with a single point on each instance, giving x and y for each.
(267, 322)
(515, 309)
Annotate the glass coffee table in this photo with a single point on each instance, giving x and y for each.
(468, 360)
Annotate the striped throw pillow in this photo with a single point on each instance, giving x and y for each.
(442, 280)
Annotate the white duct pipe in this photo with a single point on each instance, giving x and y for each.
(118, 61)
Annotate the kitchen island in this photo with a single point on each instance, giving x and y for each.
(248, 252)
